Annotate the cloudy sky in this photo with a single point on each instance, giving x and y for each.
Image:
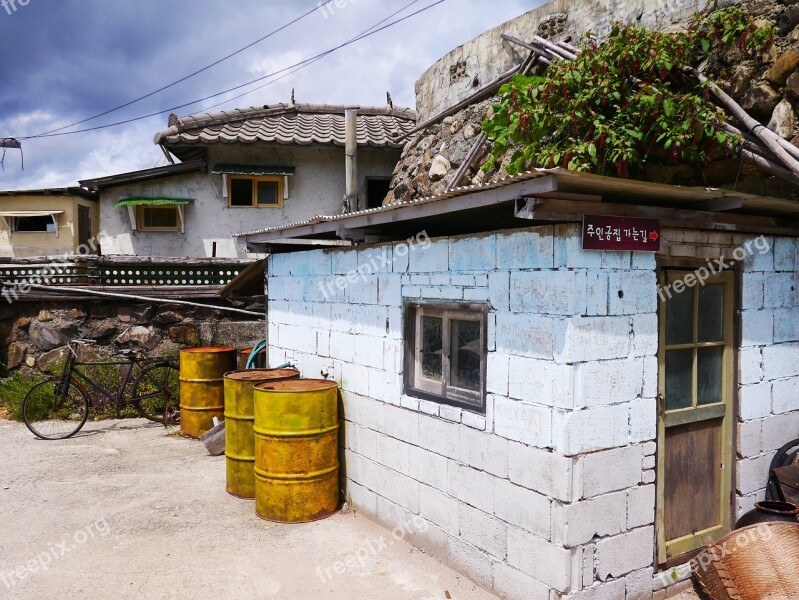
(62, 61)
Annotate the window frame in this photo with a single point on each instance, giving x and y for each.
(414, 386)
(278, 179)
(140, 220)
(15, 225)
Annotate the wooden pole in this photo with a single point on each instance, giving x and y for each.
(769, 166)
(351, 157)
(467, 162)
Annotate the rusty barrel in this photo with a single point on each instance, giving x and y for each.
(260, 359)
(239, 419)
(202, 392)
(296, 450)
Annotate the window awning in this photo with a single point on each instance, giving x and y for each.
(30, 213)
(153, 202)
(254, 170)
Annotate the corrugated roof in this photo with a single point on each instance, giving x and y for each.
(302, 124)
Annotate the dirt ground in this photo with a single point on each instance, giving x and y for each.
(125, 511)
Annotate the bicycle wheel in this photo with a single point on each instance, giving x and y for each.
(157, 393)
(54, 409)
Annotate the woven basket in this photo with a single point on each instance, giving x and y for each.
(758, 562)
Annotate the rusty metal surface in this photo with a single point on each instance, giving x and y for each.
(202, 394)
(239, 420)
(296, 450)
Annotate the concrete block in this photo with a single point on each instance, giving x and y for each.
(475, 295)
(644, 260)
(591, 430)
(313, 262)
(752, 474)
(429, 468)
(651, 372)
(643, 420)
(541, 382)
(525, 335)
(752, 293)
(750, 439)
(378, 259)
(389, 290)
(424, 406)
(785, 395)
(624, 472)
(523, 422)
(450, 413)
(781, 361)
(342, 346)
(530, 249)
(597, 517)
(355, 378)
(596, 293)
(435, 258)
(778, 430)
(632, 292)
(786, 325)
(608, 382)
(278, 265)
(568, 250)
(301, 339)
(473, 253)
(441, 437)
(616, 260)
(471, 561)
(499, 290)
(523, 508)
(622, 554)
(546, 292)
(363, 410)
(440, 509)
(544, 472)
(539, 558)
(363, 499)
(785, 250)
(442, 293)
(401, 423)
(611, 590)
(484, 451)
(497, 373)
(512, 584)
(639, 584)
(483, 531)
(473, 420)
(583, 339)
(755, 401)
(779, 290)
(398, 488)
(393, 454)
(751, 360)
(758, 256)
(645, 335)
(369, 352)
(471, 486)
(758, 327)
(342, 261)
(641, 506)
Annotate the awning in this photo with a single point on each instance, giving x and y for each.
(30, 213)
(254, 170)
(153, 202)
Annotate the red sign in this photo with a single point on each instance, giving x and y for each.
(602, 232)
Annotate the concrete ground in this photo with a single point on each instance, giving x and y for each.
(124, 510)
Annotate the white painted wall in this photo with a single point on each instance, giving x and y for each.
(551, 494)
(316, 188)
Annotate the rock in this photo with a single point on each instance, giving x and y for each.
(458, 154)
(7, 334)
(241, 334)
(138, 335)
(795, 141)
(75, 314)
(741, 80)
(470, 131)
(783, 120)
(788, 20)
(784, 66)
(52, 361)
(30, 361)
(730, 54)
(761, 101)
(449, 120)
(479, 178)
(22, 322)
(135, 314)
(103, 311)
(102, 330)
(167, 318)
(421, 185)
(16, 355)
(792, 86)
(45, 316)
(456, 126)
(400, 189)
(185, 335)
(47, 337)
(439, 168)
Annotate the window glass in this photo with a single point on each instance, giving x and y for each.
(268, 193)
(711, 313)
(241, 192)
(158, 217)
(43, 224)
(680, 318)
(432, 359)
(679, 379)
(465, 354)
(710, 370)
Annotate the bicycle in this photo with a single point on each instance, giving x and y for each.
(58, 408)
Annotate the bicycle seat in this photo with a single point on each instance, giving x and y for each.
(126, 353)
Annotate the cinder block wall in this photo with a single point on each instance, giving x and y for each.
(551, 494)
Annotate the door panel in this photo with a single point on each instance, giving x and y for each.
(84, 225)
(695, 413)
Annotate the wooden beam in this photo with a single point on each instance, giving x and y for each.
(715, 205)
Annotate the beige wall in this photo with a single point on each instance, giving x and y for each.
(22, 244)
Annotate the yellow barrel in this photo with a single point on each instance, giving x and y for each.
(296, 450)
(239, 419)
(202, 391)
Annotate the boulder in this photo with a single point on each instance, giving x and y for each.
(102, 330)
(788, 20)
(138, 335)
(75, 314)
(52, 361)
(167, 318)
(783, 120)
(792, 86)
(439, 168)
(45, 316)
(741, 80)
(16, 355)
(47, 337)
(784, 66)
(135, 314)
(470, 131)
(185, 335)
(22, 322)
(761, 101)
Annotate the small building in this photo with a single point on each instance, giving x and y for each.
(242, 169)
(566, 422)
(48, 222)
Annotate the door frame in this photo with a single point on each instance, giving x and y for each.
(692, 264)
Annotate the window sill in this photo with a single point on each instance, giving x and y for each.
(437, 408)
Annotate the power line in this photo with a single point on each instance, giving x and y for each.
(269, 75)
(190, 75)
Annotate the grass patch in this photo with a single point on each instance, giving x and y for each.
(13, 391)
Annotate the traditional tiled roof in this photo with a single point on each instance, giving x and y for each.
(301, 124)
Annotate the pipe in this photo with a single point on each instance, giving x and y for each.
(72, 290)
(351, 158)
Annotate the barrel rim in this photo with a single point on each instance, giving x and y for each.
(325, 385)
(209, 349)
(231, 375)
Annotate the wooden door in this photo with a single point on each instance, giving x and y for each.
(695, 412)
(84, 226)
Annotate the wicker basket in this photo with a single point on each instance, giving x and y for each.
(758, 562)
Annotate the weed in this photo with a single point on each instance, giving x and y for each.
(13, 391)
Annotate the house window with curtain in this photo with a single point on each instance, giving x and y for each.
(156, 214)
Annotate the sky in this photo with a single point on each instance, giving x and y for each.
(63, 61)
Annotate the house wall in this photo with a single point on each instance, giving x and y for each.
(550, 494)
(317, 188)
(487, 56)
(25, 244)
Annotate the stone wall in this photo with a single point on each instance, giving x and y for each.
(551, 493)
(33, 335)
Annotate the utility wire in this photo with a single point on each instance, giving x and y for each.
(269, 75)
(190, 75)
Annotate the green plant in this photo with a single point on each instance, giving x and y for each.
(712, 27)
(620, 103)
(13, 391)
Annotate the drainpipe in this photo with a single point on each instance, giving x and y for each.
(351, 158)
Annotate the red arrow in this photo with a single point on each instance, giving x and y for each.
(654, 236)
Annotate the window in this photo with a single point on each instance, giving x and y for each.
(256, 191)
(445, 353)
(158, 218)
(39, 224)
(377, 189)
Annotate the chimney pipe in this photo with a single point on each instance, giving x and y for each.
(351, 158)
